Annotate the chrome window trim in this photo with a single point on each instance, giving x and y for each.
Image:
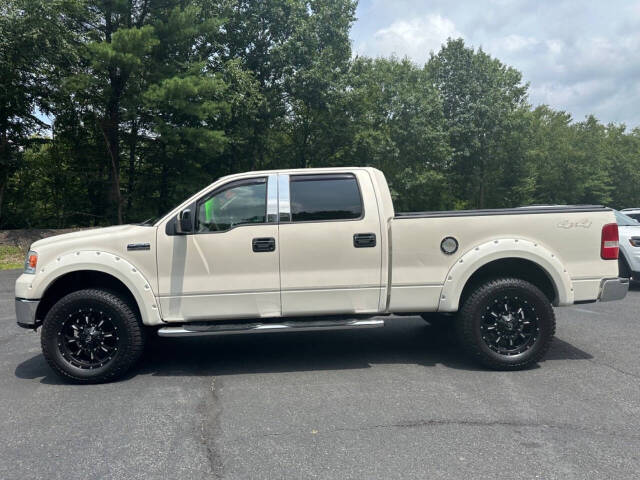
(284, 199)
(272, 198)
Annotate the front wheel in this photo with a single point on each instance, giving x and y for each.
(506, 324)
(91, 336)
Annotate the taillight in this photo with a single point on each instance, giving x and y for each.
(609, 246)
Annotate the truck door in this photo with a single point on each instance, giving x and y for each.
(329, 235)
(228, 267)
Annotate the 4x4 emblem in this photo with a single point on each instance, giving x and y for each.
(584, 223)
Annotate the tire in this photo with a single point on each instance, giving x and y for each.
(101, 322)
(513, 339)
(623, 267)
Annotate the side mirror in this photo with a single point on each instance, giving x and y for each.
(184, 223)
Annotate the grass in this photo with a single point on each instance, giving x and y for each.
(11, 257)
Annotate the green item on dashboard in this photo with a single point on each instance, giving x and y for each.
(208, 210)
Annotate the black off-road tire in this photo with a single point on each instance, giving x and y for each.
(128, 344)
(470, 319)
(623, 267)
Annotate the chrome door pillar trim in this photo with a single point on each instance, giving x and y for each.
(284, 203)
(272, 198)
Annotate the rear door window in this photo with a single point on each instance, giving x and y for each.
(325, 197)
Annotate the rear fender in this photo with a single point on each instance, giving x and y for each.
(472, 260)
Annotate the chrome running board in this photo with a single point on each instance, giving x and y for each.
(201, 329)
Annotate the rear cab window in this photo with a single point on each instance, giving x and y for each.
(325, 197)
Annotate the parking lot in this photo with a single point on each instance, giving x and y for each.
(395, 402)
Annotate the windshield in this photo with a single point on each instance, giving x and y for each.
(624, 220)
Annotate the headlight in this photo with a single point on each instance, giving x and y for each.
(30, 262)
(635, 241)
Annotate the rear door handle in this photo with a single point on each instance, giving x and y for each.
(264, 244)
(364, 240)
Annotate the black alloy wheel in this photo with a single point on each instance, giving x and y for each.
(510, 325)
(506, 324)
(88, 338)
(92, 336)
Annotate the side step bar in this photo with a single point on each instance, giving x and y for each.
(201, 329)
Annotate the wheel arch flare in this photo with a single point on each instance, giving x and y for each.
(483, 255)
(106, 263)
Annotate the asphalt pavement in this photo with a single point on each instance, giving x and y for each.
(394, 402)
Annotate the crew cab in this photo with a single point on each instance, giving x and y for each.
(314, 249)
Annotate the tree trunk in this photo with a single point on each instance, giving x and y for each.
(482, 187)
(3, 184)
(111, 123)
(133, 143)
(4, 162)
(111, 134)
(164, 186)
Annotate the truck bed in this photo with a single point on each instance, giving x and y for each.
(565, 239)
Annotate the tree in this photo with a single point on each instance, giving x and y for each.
(481, 100)
(297, 50)
(118, 43)
(33, 36)
(397, 125)
(152, 100)
(622, 157)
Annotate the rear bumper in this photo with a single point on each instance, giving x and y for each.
(613, 289)
(26, 312)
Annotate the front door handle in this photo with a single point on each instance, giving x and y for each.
(364, 240)
(264, 244)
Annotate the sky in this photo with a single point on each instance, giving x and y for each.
(582, 57)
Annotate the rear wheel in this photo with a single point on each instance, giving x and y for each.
(92, 336)
(506, 324)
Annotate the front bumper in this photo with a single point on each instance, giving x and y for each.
(26, 312)
(613, 289)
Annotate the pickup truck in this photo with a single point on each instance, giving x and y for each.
(314, 249)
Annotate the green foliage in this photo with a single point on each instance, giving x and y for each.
(482, 101)
(154, 100)
(396, 124)
(33, 37)
(11, 257)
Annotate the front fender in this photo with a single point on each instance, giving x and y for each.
(471, 261)
(35, 286)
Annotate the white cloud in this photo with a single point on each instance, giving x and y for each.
(581, 57)
(514, 43)
(414, 38)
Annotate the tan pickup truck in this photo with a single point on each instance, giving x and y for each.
(314, 249)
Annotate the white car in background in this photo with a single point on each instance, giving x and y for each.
(629, 233)
(632, 212)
